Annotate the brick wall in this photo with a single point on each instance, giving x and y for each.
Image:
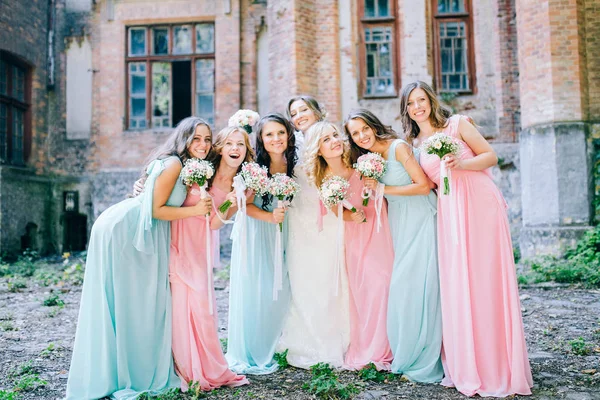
(253, 15)
(592, 46)
(115, 148)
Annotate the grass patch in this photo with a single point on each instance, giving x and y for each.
(281, 359)
(325, 384)
(53, 300)
(172, 394)
(223, 344)
(579, 347)
(16, 284)
(7, 326)
(580, 264)
(370, 373)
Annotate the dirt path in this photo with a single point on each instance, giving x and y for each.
(36, 340)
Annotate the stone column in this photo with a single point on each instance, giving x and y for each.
(554, 151)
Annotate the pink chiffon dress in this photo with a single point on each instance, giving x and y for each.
(484, 350)
(196, 346)
(369, 263)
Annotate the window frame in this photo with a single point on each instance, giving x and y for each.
(467, 18)
(376, 22)
(150, 58)
(12, 103)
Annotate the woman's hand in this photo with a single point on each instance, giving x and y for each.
(232, 198)
(358, 216)
(138, 187)
(278, 215)
(370, 183)
(203, 207)
(452, 161)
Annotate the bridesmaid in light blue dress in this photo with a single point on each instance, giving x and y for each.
(414, 319)
(123, 341)
(255, 317)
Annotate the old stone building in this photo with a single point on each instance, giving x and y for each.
(89, 87)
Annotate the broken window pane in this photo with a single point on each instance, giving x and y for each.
(160, 41)
(161, 94)
(137, 41)
(182, 38)
(205, 38)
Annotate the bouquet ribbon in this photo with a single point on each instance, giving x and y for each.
(339, 258)
(240, 219)
(209, 264)
(445, 179)
(378, 195)
(278, 270)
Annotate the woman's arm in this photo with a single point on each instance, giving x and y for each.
(216, 223)
(485, 155)
(163, 187)
(421, 183)
(349, 216)
(275, 217)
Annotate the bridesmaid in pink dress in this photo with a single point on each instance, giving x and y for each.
(484, 349)
(369, 254)
(196, 346)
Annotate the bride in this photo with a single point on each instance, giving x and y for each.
(317, 326)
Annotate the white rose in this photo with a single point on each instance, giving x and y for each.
(437, 144)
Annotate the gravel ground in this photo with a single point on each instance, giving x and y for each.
(37, 339)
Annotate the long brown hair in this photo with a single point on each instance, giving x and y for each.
(382, 132)
(178, 142)
(313, 105)
(439, 113)
(314, 164)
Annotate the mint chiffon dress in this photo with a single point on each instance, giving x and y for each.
(123, 341)
(414, 318)
(255, 319)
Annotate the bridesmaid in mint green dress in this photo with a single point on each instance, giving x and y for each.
(123, 341)
(414, 319)
(255, 317)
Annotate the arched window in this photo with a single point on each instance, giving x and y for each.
(15, 98)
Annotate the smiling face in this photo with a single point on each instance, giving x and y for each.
(274, 137)
(361, 133)
(302, 115)
(418, 105)
(201, 143)
(234, 149)
(331, 144)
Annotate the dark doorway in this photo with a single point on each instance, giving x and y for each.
(74, 231)
(182, 90)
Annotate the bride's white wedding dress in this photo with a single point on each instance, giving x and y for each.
(317, 326)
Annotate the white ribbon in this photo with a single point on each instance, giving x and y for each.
(339, 259)
(379, 203)
(240, 197)
(278, 257)
(209, 267)
(446, 174)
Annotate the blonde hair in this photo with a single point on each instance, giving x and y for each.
(222, 137)
(439, 113)
(314, 164)
(220, 140)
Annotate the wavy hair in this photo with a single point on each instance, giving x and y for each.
(220, 140)
(312, 104)
(178, 142)
(382, 132)
(439, 113)
(314, 164)
(262, 156)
